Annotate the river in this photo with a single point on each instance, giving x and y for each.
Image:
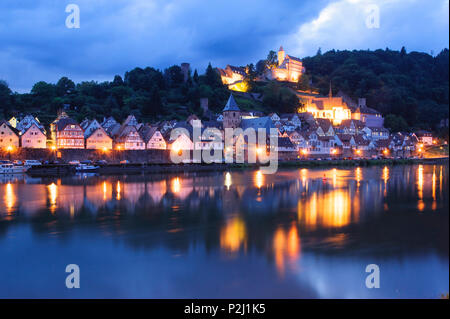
(300, 233)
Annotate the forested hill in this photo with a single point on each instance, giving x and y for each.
(413, 86)
(410, 89)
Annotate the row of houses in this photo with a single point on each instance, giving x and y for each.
(299, 134)
(66, 133)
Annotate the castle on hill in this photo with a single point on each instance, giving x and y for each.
(289, 68)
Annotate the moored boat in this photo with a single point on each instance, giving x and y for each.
(86, 168)
(12, 169)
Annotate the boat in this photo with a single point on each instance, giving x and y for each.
(12, 169)
(86, 168)
(30, 163)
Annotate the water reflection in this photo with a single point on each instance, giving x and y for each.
(233, 235)
(280, 218)
(52, 196)
(10, 198)
(286, 247)
(320, 198)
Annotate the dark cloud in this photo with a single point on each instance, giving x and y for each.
(116, 36)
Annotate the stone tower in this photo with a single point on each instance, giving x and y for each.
(231, 114)
(281, 55)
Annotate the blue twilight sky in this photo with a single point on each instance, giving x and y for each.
(118, 35)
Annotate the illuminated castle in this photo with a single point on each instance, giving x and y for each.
(289, 68)
(233, 77)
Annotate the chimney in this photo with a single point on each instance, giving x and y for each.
(362, 102)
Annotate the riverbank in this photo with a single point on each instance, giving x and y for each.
(119, 169)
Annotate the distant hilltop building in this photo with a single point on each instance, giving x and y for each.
(233, 77)
(289, 68)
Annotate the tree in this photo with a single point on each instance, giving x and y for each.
(5, 97)
(212, 78)
(303, 83)
(43, 89)
(280, 99)
(395, 123)
(272, 60)
(251, 71)
(117, 81)
(195, 77)
(155, 101)
(261, 67)
(64, 86)
(173, 76)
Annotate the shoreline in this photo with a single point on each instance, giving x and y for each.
(132, 169)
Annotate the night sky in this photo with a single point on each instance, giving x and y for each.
(118, 35)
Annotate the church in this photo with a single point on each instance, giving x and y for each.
(330, 107)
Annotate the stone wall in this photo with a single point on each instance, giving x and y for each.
(66, 155)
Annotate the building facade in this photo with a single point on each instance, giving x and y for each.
(289, 68)
(33, 137)
(9, 136)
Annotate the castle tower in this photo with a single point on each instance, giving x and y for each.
(231, 114)
(281, 55)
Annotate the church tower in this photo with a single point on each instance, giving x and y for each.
(231, 114)
(281, 55)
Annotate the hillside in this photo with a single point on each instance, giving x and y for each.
(410, 89)
(412, 86)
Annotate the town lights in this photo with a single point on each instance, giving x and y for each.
(9, 149)
(385, 151)
(177, 150)
(53, 148)
(304, 151)
(333, 151)
(358, 152)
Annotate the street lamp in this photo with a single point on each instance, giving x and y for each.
(9, 149)
(53, 148)
(304, 152)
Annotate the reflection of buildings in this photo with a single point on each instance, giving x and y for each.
(233, 235)
(286, 246)
(328, 209)
(317, 199)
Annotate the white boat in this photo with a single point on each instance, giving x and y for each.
(86, 168)
(30, 163)
(12, 169)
